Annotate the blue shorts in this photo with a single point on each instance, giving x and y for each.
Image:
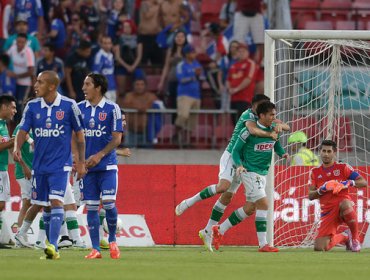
(99, 182)
(49, 186)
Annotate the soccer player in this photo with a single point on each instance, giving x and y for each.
(228, 183)
(52, 118)
(7, 112)
(252, 157)
(336, 203)
(103, 134)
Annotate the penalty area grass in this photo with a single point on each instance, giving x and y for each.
(188, 263)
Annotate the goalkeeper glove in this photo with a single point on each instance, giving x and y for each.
(328, 186)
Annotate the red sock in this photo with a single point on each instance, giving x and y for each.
(350, 218)
(336, 239)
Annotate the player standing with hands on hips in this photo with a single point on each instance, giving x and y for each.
(52, 119)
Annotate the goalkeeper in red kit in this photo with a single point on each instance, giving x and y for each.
(329, 183)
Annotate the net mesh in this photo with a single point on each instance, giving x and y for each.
(322, 88)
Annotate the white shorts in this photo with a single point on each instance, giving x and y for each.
(69, 197)
(254, 185)
(244, 25)
(4, 186)
(227, 172)
(26, 188)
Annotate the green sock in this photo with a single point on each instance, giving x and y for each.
(208, 192)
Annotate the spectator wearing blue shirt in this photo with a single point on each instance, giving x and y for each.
(52, 119)
(188, 73)
(104, 64)
(103, 133)
(34, 12)
(7, 84)
(58, 34)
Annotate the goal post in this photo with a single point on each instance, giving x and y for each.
(320, 83)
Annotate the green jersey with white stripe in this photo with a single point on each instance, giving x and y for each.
(255, 153)
(4, 155)
(247, 115)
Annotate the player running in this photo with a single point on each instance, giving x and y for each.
(228, 183)
(103, 133)
(52, 118)
(329, 183)
(252, 156)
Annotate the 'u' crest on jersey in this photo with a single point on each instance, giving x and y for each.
(59, 115)
(102, 116)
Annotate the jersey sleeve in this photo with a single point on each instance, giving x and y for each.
(350, 173)
(117, 119)
(76, 117)
(25, 123)
(237, 149)
(279, 149)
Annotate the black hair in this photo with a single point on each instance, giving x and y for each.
(99, 80)
(174, 46)
(84, 44)
(265, 107)
(5, 59)
(330, 143)
(50, 46)
(260, 97)
(22, 35)
(7, 99)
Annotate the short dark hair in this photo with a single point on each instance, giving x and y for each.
(84, 44)
(260, 97)
(330, 143)
(50, 46)
(265, 107)
(5, 59)
(6, 99)
(99, 80)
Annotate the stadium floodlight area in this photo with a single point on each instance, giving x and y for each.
(320, 82)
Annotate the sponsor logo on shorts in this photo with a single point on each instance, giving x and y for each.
(60, 193)
(111, 191)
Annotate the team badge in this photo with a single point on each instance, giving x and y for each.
(59, 115)
(102, 116)
(336, 172)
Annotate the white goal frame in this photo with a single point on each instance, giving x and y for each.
(271, 36)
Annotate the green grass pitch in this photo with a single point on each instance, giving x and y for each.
(188, 263)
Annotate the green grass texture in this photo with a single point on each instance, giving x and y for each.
(188, 263)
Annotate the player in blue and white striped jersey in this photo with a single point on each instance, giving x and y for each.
(103, 133)
(52, 118)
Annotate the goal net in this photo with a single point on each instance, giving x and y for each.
(320, 82)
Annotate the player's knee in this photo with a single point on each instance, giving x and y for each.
(226, 198)
(107, 205)
(222, 187)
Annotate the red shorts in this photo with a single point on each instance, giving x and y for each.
(329, 222)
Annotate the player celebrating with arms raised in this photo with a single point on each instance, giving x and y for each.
(103, 133)
(335, 201)
(52, 118)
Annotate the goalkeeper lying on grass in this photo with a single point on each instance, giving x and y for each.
(329, 183)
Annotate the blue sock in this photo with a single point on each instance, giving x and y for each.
(46, 216)
(56, 220)
(111, 217)
(94, 223)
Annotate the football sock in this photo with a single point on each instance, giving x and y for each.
(72, 225)
(261, 227)
(56, 220)
(235, 218)
(336, 239)
(204, 194)
(350, 218)
(46, 217)
(25, 227)
(101, 219)
(111, 217)
(42, 235)
(93, 222)
(217, 212)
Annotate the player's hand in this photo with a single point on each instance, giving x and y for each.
(240, 170)
(17, 157)
(27, 173)
(93, 160)
(80, 170)
(328, 186)
(274, 135)
(287, 158)
(278, 128)
(126, 152)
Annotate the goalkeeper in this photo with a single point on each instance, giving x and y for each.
(329, 183)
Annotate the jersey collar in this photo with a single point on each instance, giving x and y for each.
(100, 104)
(55, 103)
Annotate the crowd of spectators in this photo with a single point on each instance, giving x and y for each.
(127, 40)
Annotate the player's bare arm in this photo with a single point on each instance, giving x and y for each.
(20, 138)
(313, 194)
(7, 145)
(80, 158)
(360, 182)
(254, 130)
(281, 126)
(114, 143)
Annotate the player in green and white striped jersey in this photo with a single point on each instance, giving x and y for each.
(252, 156)
(228, 183)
